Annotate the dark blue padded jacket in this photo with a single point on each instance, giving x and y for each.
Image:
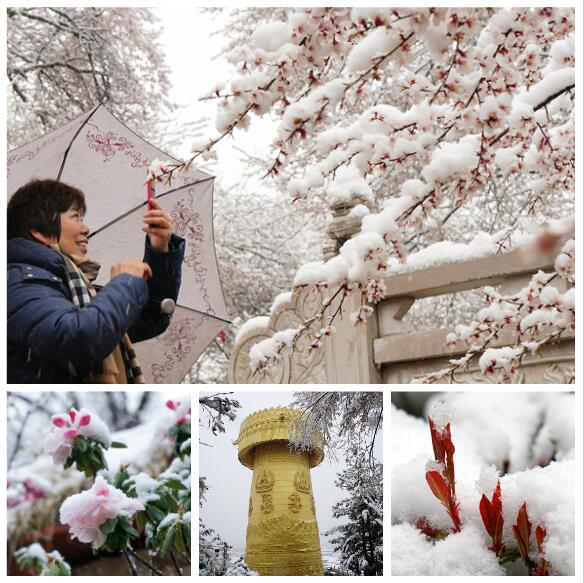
(51, 341)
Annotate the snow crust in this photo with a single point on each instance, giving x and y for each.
(271, 36)
(278, 301)
(552, 83)
(252, 325)
(463, 553)
(144, 486)
(492, 433)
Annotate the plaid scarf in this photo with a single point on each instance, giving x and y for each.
(122, 365)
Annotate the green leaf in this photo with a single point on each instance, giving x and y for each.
(118, 445)
(129, 528)
(171, 502)
(120, 477)
(81, 443)
(93, 457)
(109, 526)
(187, 532)
(168, 540)
(179, 542)
(155, 513)
(174, 484)
(141, 519)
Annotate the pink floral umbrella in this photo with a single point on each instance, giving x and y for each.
(107, 161)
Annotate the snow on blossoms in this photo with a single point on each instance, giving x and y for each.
(87, 511)
(180, 429)
(181, 410)
(68, 426)
(363, 121)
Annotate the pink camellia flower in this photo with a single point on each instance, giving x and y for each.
(60, 421)
(71, 434)
(182, 412)
(59, 444)
(87, 511)
(67, 426)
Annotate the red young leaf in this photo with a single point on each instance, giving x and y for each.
(487, 515)
(443, 450)
(438, 486)
(542, 566)
(426, 528)
(492, 515)
(522, 531)
(540, 534)
(440, 489)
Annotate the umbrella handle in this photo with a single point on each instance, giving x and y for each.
(150, 194)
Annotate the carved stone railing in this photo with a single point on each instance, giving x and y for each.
(385, 349)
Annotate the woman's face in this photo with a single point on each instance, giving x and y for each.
(74, 233)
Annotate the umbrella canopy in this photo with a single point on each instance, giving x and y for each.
(99, 155)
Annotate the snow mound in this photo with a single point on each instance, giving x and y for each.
(463, 553)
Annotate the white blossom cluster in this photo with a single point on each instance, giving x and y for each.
(498, 101)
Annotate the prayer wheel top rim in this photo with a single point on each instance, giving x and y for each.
(272, 425)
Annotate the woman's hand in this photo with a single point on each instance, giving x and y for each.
(131, 267)
(158, 226)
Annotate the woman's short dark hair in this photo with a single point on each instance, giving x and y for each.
(37, 205)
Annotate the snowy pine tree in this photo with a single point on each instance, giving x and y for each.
(360, 540)
(210, 563)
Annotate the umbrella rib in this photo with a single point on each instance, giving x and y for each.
(72, 140)
(145, 203)
(204, 313)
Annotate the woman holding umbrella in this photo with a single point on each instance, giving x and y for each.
(59, 329)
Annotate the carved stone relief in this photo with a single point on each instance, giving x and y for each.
(267, 503)
(265, 481)
(294, 503)
(292, 534)
(302, 481)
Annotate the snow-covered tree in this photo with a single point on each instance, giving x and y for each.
(214, 556)
(257, 263)
(215, 407)
(412, 116)
(62, 61)
(360, 539)
(342, 418)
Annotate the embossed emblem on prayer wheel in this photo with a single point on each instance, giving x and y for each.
(282, 533)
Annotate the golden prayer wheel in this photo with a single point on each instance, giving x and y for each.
(282, 532)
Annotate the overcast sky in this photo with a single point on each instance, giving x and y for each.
(226, 504)
(189, 44)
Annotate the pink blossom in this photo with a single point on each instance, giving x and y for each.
(59, 420)
(87, 511)
(182, 413)
(67, 426)
(58, 445)
(71, 434)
